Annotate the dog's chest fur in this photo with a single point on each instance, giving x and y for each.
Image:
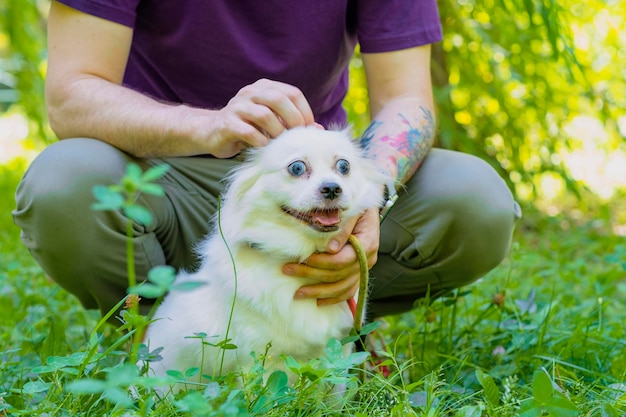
(264, 312)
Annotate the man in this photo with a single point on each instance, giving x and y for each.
(193, 84)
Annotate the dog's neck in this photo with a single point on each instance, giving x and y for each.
(259, 247)
(274, 253)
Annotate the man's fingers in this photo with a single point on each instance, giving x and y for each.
(338, 243)
(330, 292)
(323, 268)
(239, 134)
(291, 104)
(345, 295)
(284, 110)
(285, 105)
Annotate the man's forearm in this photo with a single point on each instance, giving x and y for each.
(399, 137)
(144, 127)
(139, 125)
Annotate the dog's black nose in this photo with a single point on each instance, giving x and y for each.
(330, 190)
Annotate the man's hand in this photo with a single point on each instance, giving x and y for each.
(338, 269)
(86, 98)
(258, 112)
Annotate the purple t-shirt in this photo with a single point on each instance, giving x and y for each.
(201, 52)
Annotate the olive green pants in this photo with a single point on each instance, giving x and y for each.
(451, 225)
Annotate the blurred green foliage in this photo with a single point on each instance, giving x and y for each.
(23, 59)
(509, 76)
(514, 73)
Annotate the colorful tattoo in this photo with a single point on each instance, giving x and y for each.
(369, 133)
(405, 149)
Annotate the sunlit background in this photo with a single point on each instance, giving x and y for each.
(536, 89)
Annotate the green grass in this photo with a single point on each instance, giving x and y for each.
(543, 334)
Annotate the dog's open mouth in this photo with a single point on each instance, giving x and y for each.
(322, 220)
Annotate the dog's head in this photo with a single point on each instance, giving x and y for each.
(293, 195)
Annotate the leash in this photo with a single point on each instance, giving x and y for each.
(391, 197)
(357, 310)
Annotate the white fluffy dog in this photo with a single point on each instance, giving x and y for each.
(283, 204)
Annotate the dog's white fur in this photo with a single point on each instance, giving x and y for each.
(262, 237)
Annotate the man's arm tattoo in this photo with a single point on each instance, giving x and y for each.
(406, 148)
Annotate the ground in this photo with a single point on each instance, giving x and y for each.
(543, 332)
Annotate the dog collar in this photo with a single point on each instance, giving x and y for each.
(391, 196)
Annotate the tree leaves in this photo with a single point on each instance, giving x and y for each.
(24, 27)
(510, 76)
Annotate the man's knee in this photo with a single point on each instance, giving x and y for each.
(53, 207)
(452, 225)
(64, 174)
(484, 238)
(481, 214)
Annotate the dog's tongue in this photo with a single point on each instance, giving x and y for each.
(327, 217)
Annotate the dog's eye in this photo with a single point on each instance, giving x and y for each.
(343, 166)
(297, 168)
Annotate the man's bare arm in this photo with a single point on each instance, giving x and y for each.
(85, 98)
(401, 104)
